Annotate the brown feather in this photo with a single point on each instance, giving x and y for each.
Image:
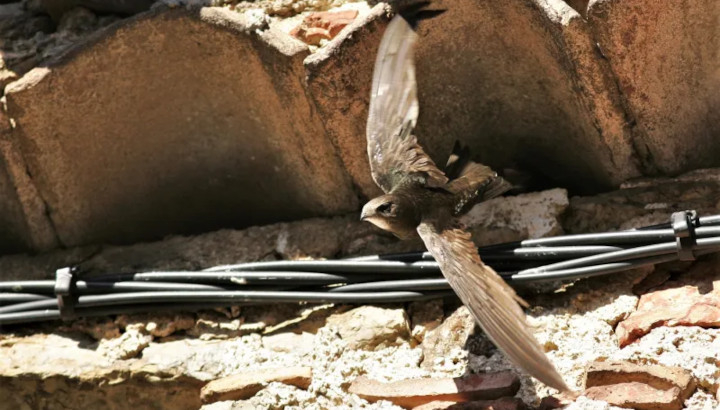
(475, 183)
(491, 301)
(392, 149)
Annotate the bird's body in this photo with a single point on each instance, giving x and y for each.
(422, 199)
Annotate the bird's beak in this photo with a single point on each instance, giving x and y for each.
(365, 214)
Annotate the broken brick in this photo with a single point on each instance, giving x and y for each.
(693, 300)
(629, 385)
(323, 25)
(416, 392)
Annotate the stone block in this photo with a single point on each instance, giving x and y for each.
(664, 58)
(175, 121)
(416, 392)
(521, 83)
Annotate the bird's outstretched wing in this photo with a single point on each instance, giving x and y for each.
(493, 303)
(471, 182)
(393, 151)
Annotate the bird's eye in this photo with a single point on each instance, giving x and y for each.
(385, 208)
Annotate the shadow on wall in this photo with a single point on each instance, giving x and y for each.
(178, 121)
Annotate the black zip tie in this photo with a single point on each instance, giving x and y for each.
(64, 283)
(684, 224)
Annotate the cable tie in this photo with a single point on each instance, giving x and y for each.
(684, 224)
(64, 284)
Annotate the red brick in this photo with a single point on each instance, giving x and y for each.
(415, 392)
(630, 385)
(693, 300)
(323, 25)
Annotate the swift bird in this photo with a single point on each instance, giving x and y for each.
(420, 198)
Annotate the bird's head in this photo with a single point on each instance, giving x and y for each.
(391, 213)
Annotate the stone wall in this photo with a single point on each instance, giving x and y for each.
(188, 119)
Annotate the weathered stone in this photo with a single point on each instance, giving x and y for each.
(50, 371)
(412, 393)
(635, 386)
(371, 327)
(323, 26)
(645, 202)
(531, 115)
(454, 333)
(289, 342)
(157, 324)
(214, 327)
(506, 403)
(691, 300)
(130, 344)
(58, 8)
(663, 377)
(515, 218)
(211, 142)
(14, 232)
(22, 212)
(425, 316)
(97, 328)
(243, 386)
(664, 57)
(77, 19)
(634, 395)
(27, 37)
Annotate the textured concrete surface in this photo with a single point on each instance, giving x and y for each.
(213, 117)
(646, 201)
(14, 232)
(665, 59)
(181, 134)
(495, 75)
(24, 222)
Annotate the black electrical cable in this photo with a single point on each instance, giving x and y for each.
(54, 314)
(532, 254)
(9, 298)
(616, 238)
(626, 254)
(231, 297)
(394, 285)
(283, 272)
(377, 278)
(333, 266)
(589, 271)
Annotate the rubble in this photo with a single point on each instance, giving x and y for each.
(446, 341)
(127, 346)
(693, 299)
(425, 316)
(157, 324)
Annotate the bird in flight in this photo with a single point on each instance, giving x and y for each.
(421, 198)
